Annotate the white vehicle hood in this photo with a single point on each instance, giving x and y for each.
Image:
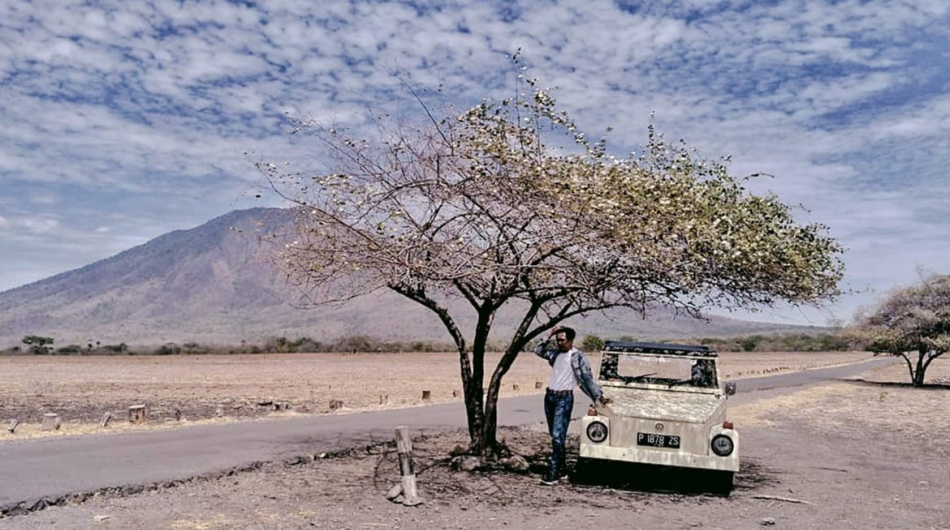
(665, 405)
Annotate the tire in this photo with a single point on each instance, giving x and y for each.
(584, 471)
(723, 482)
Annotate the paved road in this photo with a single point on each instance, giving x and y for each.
(51, 468)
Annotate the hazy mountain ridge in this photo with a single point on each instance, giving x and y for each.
(216, 284)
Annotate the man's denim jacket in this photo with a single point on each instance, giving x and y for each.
(548, 350)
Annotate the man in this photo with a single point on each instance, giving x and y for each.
(569, 367)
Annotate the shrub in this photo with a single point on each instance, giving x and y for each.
(38, 345)
(592, 343)
(169, 348)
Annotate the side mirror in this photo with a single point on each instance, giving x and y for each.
(730, 388)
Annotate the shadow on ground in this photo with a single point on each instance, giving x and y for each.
(664, 479)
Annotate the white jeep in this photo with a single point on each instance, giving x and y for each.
(668, 409)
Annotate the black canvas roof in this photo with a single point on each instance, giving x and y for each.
(657, 347)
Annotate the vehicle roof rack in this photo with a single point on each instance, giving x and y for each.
(657, 347)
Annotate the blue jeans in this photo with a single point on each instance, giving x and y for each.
(557, 410)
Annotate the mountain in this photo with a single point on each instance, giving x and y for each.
(217, 284)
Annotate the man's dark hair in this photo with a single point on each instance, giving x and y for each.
(568, 332)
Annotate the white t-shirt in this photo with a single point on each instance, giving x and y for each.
(562, 375)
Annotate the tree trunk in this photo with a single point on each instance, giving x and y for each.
(490, 429)
(920, 372)
(910, 367)
(476, 418)
(490, 432)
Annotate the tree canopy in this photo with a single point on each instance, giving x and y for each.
(507, 202)
(913, 323)
(38, 345)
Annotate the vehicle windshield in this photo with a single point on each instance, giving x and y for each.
(669, 370)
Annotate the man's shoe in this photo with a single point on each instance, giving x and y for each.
(548, 479)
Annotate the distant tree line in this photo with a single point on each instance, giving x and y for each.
(779, 342)
(40, 345)
(790, 342)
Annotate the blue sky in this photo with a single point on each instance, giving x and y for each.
(125, 120)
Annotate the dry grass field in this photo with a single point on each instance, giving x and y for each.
(184, 390)
(881, 402)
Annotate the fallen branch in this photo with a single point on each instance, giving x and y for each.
(783, 499)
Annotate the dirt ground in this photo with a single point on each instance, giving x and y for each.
(183, 390)
(839, 455)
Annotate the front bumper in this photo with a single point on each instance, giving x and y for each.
(660, 456)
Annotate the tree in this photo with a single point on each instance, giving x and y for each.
(484, 207)
(38, 345)
(912, 323)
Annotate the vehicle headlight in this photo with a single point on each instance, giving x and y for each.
(597, 432)
(721, 444)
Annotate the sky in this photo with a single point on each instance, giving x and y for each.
(122, 121)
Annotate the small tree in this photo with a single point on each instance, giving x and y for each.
(479, 207)
(912, 323)
(39, 345)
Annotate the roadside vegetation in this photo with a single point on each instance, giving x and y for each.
(778, 342)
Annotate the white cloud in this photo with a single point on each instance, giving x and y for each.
(134, 116)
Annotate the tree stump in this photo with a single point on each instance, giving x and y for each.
(104, 422)
(336, 404)
(537, 384)
(138, 414)
(515, 387)
(51, 422)
(426, 395)
(13, 425)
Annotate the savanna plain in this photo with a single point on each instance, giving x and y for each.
(864, 453)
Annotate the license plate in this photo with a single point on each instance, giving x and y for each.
(658, 440)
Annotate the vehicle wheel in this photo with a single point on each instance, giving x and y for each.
(724, 482)
(584, 471)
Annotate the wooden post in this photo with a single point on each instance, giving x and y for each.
(410, 496)
(138, 414)
(426, 395)
(13, 425)
(106, 418)
(50, 422)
